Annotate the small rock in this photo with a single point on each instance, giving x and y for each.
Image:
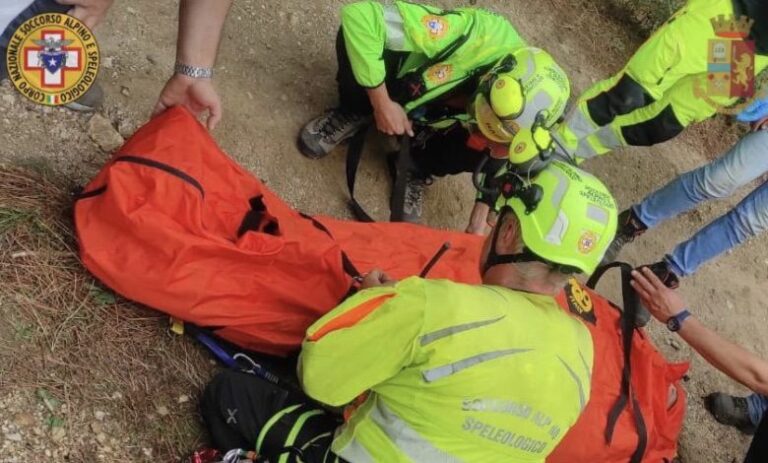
(125, 91)
(147, 452)
(126, 128)
(24, 420)
(103, 134)
(183, 399)
(13, 437)
(162, 410)
(729, 304)
(58, 434)
(674, 344)
(99, 415)
(283, 97)
(108, 62)
(131, 10)
(151, 60)
(117, 396)
(8, 100)
(101, 438)
(97, 427)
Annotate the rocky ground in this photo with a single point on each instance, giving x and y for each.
(275, 71)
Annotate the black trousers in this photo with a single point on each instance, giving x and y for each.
(445, 152)
(37, 7)
(758, 451)
(236, 406)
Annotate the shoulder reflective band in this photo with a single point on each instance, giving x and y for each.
(351, 317)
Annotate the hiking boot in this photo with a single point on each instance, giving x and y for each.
(730, 411)
(415, 187)
(629, 228)
(324, 133)
(666, 275)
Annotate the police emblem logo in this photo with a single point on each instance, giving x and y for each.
(436, 26)
(731, 59)
(439, 74)
(587, 242)
(52, 59)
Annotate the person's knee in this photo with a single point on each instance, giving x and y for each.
(664, 126)
(623, 98)
(748, 220)
(736, 168)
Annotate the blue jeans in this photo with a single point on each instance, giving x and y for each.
(743, 163)
(757, 404)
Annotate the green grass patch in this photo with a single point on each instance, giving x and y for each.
(12, 219)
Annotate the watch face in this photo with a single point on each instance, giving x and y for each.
(673, 324)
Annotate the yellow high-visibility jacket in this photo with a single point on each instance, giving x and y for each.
(455, 372)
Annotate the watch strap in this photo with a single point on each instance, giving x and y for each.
(194, 72)
(676, 322)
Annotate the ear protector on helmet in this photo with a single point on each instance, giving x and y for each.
(498, 101)
(531, 149)
(529, 153)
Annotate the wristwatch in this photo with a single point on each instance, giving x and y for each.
(675, 323)
(194, 72)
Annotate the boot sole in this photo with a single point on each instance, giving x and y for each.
(307, 152)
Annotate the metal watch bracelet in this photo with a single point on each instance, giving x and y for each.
(194, 72)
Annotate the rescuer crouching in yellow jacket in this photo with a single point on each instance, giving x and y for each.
(437, 371)
(669, 83)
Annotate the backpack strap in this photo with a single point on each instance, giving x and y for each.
(411, 85)
(402, 166)
(289, 432)
(627, 395)
(404, 163)
(354, 154)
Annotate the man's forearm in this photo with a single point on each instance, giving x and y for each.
(378, 96)
(731, 359)
(200, 25)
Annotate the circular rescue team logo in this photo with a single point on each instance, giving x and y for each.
(52, 59)
(439, 74)
(436, 26)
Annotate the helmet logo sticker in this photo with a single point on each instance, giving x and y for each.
(500, 83)
(439, 74)
(436, 26)
(587, 242)
(520, 147)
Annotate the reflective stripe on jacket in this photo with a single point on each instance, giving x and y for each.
(455, 372)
